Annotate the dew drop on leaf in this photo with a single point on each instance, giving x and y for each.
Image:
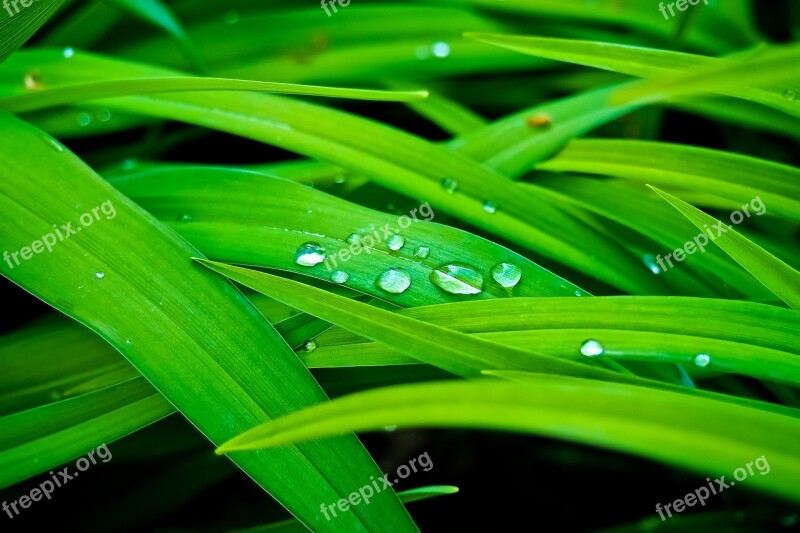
(422, 252)
(489, 206)
(395, 242)
(449, 185)
(394, 281)
(507, 274)
(592, 348)
(309, 254)
(457, 278)
(340, 276)
(702, 360)
(310, 346)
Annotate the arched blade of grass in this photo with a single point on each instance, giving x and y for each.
(223, 212)
(734, 176)
(776, 275)
(110, 277)
(450, 350)
(69, 94)
(699, 434)
(636, 61)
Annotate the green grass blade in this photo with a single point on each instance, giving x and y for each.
(773, 273)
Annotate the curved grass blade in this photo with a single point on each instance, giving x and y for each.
(134, 259)
(452, 351)
(773, 273)
(71, 94)
(17, 29)
(700, 434)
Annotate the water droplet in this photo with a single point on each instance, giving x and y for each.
(340, 276)
(390, 429)
(83, 119)
(353, 238)
(69, 52)
(395, 242)
(790, 95)
(539, 121)
(449, 185)
(309, 254)
(422, 252)
(457, 278)
(578, 293)
(339, 180)
(394, 281)
(231, 17)
(129, 164)
(32, 81)
(650, 262)
(310, 346)
(489, 206)
(440, 49)
(592, 348)
(507, 274)
(100, 275)
(103, 115)
(185, 218)
(128, 343)
(702, 360)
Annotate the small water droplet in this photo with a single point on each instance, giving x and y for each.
(539, 121)
(129, 164)
(83, 119)
(507, 274)
(422, 252)
(310, 346)
(395, 242)
(578, 293)
(100, 275)
(185, 218)
(32, 81)
(592, 348)
(702, 360)
(449, 185)
(56, 394)
(390, 429)
(790, 95)
(340, 276)
(440, 49)
(353, 238)
(489, 206)
(457, 278)
(309, 254)
(394, 281)
(103, 115)
(128, 343)
(650, 262)
(339, 180)
(69, 52)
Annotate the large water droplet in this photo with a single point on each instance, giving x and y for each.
(592, 348)
(353, 238)
(449, 185)
(394, 281)
(650, 262)
(69, 52)
(309, 254)
(100, 275)
(422, 252)
(489, 206)
(440, 49)
(395, 242)
(506, 274)
(310, 346)
(457, 278)
(340, 276)
(702, 360)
